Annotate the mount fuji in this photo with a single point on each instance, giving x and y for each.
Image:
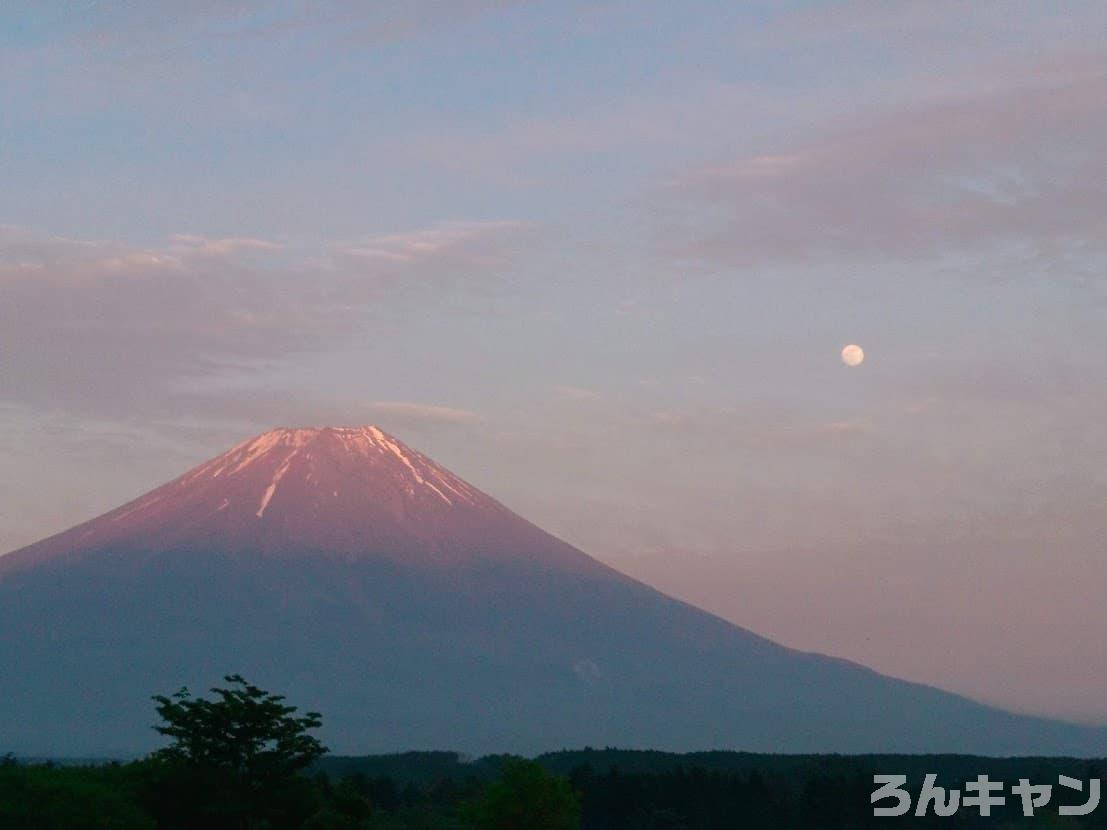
(352, 573)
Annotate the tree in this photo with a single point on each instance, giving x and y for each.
(526, 798)
(234, 761)
(48, 797)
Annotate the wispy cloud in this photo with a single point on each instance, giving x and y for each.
(128, 323)
(757, 428)
(1014, 163)
(470, 240)
(27, 254)
(420, 413)
(196, 245)
(576, 393)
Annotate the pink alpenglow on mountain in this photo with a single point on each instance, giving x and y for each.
(350, 491)
(416, 612)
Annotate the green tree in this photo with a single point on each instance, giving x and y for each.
(47, 797)
(234, 761)
(526, 798)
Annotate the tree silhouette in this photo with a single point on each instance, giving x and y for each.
(234, 761)
(526, 798)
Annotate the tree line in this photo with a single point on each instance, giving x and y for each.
(245, 759)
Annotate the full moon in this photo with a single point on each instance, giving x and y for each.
(853, 355)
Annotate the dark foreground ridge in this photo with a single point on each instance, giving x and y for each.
(613, 790)
(370, 583)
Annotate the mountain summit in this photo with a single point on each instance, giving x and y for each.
(352, 572)
(349, 491)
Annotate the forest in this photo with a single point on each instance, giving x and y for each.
(244, 759)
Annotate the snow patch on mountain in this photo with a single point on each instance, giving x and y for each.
(272, 488)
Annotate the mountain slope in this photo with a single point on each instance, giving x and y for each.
(353, 573)
(344, 491)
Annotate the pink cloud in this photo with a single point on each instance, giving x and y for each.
(1007, 164)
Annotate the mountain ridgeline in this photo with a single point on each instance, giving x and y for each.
(415, 611)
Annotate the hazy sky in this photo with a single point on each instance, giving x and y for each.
(599, 259)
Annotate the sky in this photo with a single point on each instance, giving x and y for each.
(600, 260)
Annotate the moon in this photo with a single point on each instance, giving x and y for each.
(853, 355)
